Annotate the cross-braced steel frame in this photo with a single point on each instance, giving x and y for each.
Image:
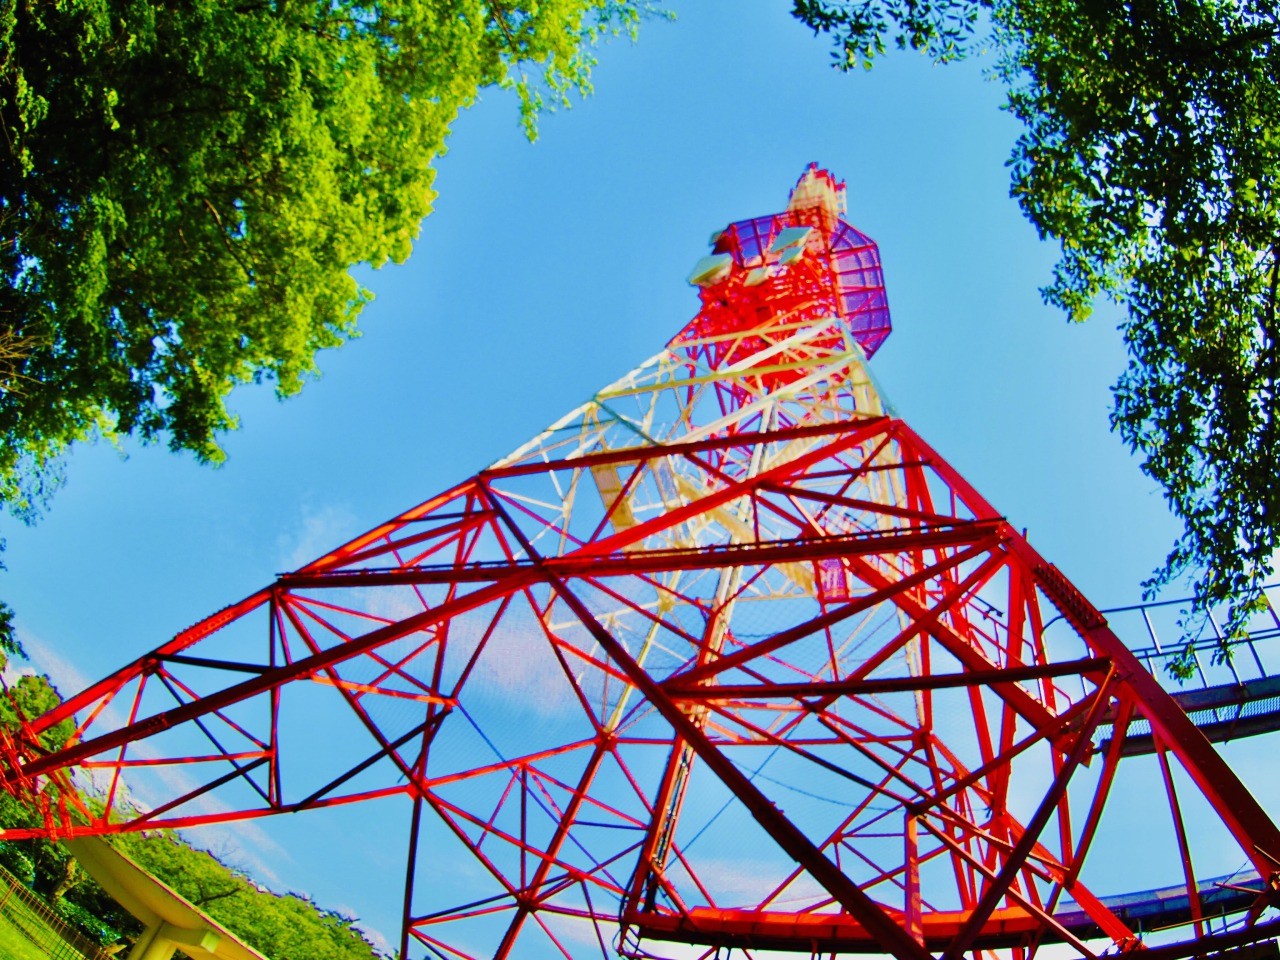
(726, 657)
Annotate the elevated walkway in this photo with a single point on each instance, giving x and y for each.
(1148, 910)
(1227, 699)
(1144, 912)
(1224, 712)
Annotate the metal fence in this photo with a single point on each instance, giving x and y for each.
(39, 923)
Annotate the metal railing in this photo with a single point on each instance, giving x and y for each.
(26, 912)
(1262, 628)
(1227, 696)
(1154, 632)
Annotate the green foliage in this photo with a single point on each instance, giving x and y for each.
(30, 697)
(282, 927)
(183, 190)
(944, 29)
(184, 187)
(41, 865)
(1152, 155)
(9, 643)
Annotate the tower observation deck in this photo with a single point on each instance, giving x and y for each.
(728, 657)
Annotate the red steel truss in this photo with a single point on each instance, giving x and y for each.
(726, 657)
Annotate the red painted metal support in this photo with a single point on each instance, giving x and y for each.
(728, 656)
(1184, 848)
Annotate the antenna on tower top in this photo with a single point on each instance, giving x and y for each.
(818, 190)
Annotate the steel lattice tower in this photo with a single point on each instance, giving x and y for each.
(787, 671)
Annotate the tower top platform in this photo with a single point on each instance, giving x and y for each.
(805, 263)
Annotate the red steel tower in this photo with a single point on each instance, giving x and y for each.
(728, 657)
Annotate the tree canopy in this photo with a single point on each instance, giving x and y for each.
(184, 187)
(1151, 154)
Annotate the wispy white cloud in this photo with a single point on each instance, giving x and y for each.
(317, 531)
(517, 664)
(371, 933)
(44, 658)
(749, 881)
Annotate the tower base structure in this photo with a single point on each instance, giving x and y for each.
(727, 657)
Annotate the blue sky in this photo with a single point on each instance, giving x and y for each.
(547, 270)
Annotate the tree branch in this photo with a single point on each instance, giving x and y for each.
(226, 240)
